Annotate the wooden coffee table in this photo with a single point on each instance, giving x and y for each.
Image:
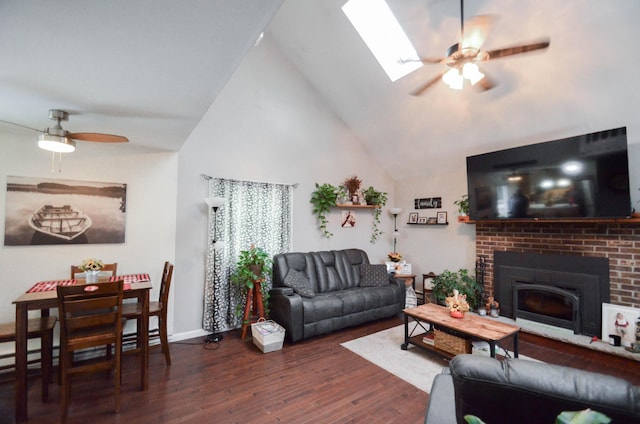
(471, 327)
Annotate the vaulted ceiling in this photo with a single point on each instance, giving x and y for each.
(584, 82)
(147, 69)
(150, 69)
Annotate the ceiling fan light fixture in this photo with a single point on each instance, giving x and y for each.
(54, 143)
(471, 72)
(453, 79)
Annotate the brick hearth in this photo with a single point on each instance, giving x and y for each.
(619, 242)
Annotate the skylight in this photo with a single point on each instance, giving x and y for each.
(384, 36)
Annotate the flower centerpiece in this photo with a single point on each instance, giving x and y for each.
(91, 264)
(394, 257)
(91, 268)
(457, 304)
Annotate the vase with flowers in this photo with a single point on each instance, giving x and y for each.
(394, 257)
(91, 268)
(457, 304)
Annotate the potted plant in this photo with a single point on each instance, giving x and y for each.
(323, 199)
(375, 197)
(448, 281)
(379, 199)
(463, 208)
(352, 184)
(253, 265)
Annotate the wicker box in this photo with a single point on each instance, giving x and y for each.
(450, 343)
(267, 335)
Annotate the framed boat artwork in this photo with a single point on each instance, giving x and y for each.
(54, 211)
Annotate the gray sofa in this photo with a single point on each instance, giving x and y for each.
(522, 391)
(320, 292)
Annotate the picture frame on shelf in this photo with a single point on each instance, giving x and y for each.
(432, 220)
(413, 218)
(441, 217)
(620, 321)
(422, 220)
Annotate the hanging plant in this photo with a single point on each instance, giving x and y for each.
(379, 199)
(323, 199)
(375, 197)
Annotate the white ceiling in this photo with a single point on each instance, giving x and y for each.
(149, 69)
(145, 69)
(586, 81)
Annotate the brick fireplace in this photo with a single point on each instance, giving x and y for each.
(619, 242)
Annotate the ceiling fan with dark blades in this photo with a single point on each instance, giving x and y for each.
(57, 139)
(463, 57)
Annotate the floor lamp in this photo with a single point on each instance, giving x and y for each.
(395, 212)
(214, 203)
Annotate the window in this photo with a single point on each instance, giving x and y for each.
(381, 32)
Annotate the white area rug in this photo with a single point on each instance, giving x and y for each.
(414, 365)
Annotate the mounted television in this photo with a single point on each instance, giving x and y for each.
(586, 176)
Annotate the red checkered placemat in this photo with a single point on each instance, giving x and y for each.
(131, 278)
(43, 286)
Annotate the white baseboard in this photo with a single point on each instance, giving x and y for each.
(187, 335)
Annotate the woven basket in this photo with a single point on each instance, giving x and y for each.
(450, 343)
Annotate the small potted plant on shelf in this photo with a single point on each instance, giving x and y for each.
(352, 184)
(375, 197)
(253, 265)
(323, 199)
(379, 199)
(463, 208)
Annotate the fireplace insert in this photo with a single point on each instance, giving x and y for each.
(560, 290)
(552, 305)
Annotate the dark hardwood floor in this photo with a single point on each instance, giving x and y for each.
(233, 382)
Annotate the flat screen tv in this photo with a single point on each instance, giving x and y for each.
(579, 177)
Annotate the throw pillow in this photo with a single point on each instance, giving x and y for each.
(373, 275)
(299, 282)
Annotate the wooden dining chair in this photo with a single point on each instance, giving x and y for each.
(75, 269)
(157, 309)
(41, 328)
(90, 316)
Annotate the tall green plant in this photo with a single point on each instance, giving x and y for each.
(447, 281)
(323, 199)
(253, 265)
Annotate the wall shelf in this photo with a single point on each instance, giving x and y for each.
(342, 206)
(425, 224)
(556, 221)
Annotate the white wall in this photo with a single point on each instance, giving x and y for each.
(269, 125)
(151, 179)
(435, 248)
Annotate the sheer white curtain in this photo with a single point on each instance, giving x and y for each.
(254, 213)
